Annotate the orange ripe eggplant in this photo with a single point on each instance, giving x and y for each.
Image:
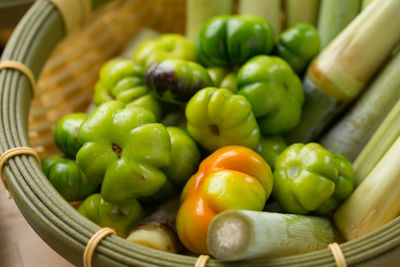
(233, 177)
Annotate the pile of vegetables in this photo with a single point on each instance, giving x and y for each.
(190, 139)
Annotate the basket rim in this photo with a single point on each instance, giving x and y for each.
(61, 226)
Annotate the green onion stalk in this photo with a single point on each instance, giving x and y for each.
(375, 202)
(351, 133)
(269, 10)
(199, 11)
(344, 68)
(378, 145)
(301, 11)
(334, 16)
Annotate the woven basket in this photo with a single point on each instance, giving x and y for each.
(65, 85)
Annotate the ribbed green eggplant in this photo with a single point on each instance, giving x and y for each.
(223, 78)
(124, 150)
(217, 118)
(67, 178)
(167, 46)
(270, 148)
(122, 218)
(123, 80)
(274, 92)
(66, 133)
(232, 39)
(310, 178)
(297, 45)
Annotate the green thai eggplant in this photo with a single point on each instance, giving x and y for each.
(232, 39)
(122, 218)
(223, 78)
(124, 149)
(297, 45)
(270, 148)
(167, 46)
(217, 118)
(67, 178)
(66, 133)
(274, 92)
(123, 80)
(310, 178)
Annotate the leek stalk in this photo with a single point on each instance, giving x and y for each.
(375, 201)
(269, 10)
(378, 145)
(342, 70)
(348, 136)
(242, 234)
(301, 11)
(334, 16)
(365, 3)
(199, 11)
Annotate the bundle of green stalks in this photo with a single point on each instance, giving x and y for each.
(343, 69)
(351, 133)
(375, 202)
(378, 145)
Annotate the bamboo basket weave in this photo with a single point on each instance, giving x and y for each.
(65, 85)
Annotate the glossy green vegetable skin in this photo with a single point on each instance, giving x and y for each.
(310, 178)
(123, 80)
(67, 178)
(176, 80)
(167, 46)
(298, 45)
(66, 133)
(270, 148)
(223, 78)
(122, 218)
(274, 92)
(185, 158)
(344, 185)
(232, 39)
(176, 118)
(124, 149)
(217, 118)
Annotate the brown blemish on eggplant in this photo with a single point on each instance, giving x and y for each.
(117, 149)
(214, 129)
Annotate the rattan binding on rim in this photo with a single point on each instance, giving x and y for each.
(338, 255)
(15, 65)
(11, 153)
(73, 12)
(92, 244)
(202, 261)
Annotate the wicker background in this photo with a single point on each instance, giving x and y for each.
(67, 81)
